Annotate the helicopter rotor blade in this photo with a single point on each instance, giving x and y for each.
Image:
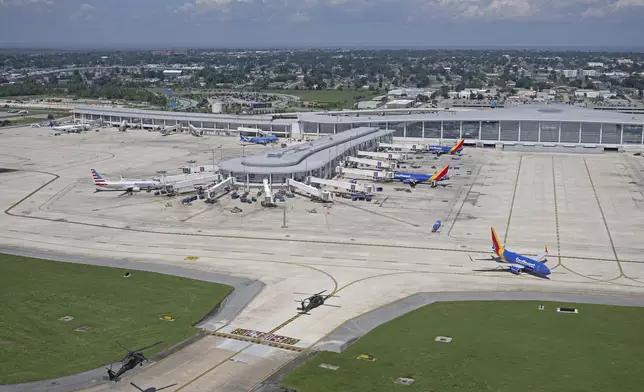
(123, 347)
(147, 347)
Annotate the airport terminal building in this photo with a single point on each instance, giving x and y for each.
(317, 158)
(528, 124)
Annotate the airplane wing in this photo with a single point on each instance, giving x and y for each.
(541, 257)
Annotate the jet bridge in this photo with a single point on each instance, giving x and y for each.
(212, 191)
(387, 156)
(268, 195)
(168, 130)
(342, 186)
(404, 147)
(372, 163)
(314, 192)
(375, 175)
(194, 131)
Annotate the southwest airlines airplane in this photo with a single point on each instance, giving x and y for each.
(439, 150)
(259, 140)
(518, 263)
(415, 178)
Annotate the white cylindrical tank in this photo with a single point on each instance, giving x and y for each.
(217, 107)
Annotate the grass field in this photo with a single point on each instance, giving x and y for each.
(503, 346)
(326, 96)
(36, 345)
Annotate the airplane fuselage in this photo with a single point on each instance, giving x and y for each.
(414, 177)
(260, 140)
(530, 265)
(439, 150)
(124, 186)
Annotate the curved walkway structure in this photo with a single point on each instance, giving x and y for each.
(346, 334)
(244, 291)
(317, 158)
(529, 124)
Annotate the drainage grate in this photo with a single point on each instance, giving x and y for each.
(443, 339)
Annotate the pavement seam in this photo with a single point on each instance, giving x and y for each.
(514, 195)
(554, 188)
(601, 211)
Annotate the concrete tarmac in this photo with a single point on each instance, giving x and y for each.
(586, 209)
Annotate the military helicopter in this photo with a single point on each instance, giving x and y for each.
(314, 301)
(129, 362)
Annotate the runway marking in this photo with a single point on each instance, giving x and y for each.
(209, 370)
(285, 323)
(256, 341)
(554, 188)
(458, 213)
(514, 194)
(377, 213)
(9, 212)
(601, 210)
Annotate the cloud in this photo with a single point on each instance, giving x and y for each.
(414, 10)
(24, 3)
(84, 12)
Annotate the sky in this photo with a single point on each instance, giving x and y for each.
(164, 24)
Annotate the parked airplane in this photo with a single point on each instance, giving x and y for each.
(517, 263)
(124, 185)
(415, 178)
(439, 150)
(259, 140)
(72, 128)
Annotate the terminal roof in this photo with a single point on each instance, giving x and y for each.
(556, 112)
(303, 157)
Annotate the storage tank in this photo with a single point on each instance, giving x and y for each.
(217, 107)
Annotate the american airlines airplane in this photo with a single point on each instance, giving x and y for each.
(123, 185)
(73, 128)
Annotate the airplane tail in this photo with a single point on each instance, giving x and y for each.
(441, 174)
(458, 146)
(496, 244)
(98, 179)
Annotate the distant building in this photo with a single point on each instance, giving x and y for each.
(368, 105)
(570, 73)
(399, 104)
(590, 72)
(595, 64)
(172, 73)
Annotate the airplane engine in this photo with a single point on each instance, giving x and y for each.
(516, 271)
(136, 189)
